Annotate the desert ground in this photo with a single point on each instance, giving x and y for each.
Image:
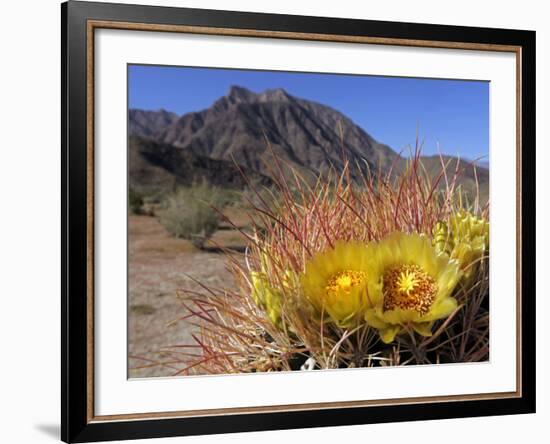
(160, 266)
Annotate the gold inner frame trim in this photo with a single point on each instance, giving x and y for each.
(92, 25)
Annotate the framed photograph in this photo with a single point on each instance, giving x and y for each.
(275, 221)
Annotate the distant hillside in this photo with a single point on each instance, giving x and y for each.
(471, 176)
(306, 136)
(158, 165)
(149, 123)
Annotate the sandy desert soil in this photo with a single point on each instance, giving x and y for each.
(158, 265)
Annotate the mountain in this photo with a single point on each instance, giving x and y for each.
(247, 128)
(159, 165)
(148, 123)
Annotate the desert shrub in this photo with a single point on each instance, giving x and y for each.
(189, 213)
(227, 197)
(135, 201)
(252, 198)
(153, 195)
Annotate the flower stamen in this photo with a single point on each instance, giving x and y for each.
(345, 281)
(409, 287)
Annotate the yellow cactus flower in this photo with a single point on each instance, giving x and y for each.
(266, 297)
(466, 239)
(335, 282)
(410, 285)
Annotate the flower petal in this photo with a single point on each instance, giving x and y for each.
(373, 320)
(441, 309)
(423, 328)
(388, 334)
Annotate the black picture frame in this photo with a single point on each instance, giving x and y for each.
(77, 425)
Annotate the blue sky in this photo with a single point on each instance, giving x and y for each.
(453, 113)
